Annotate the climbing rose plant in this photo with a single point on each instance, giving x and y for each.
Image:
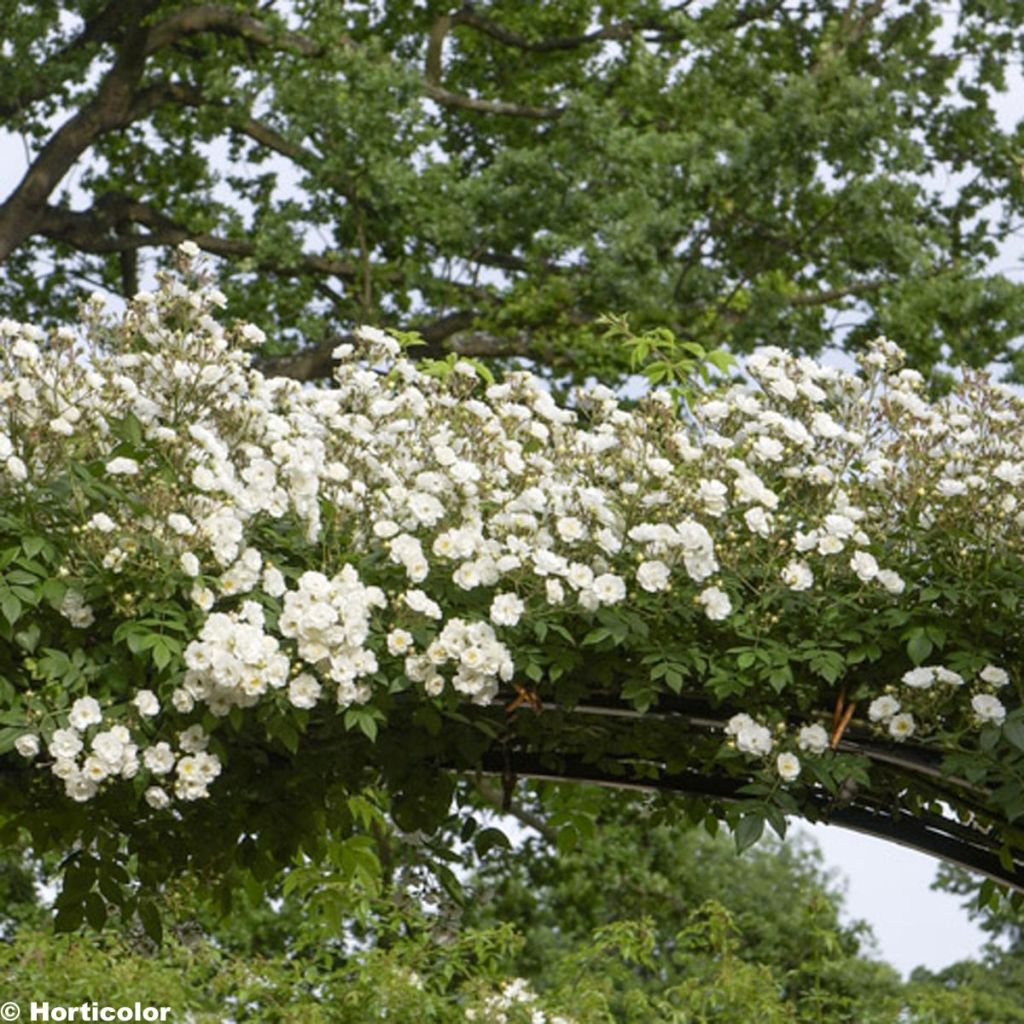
(207, 571)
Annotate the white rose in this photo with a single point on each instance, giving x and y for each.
(892, 581)
(653, 576)
(788, 766)
(147, 704)
(902, 726)
(157, 798)
(883, 708)
(122, 467)
(506, 610)
(798, 576)
(864, 565)
(919, 678)
(717, 605)
(27, 745)
(813, 739)
(988, 708)
(85, 712)
(994, 676)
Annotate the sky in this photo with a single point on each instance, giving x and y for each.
(887, 885)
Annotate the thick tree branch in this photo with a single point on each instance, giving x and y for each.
(450, 333)
(92, 231)
(226, 21)
(111, 107)
(433, 74)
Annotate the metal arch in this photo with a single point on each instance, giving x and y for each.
(878, 816)
(930, 834)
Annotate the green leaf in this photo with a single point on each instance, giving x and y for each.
(161, 655)
(489, 839)
(748, 831)
(566, 839)
(11, 607)
(1013, 730)
(919, 647)
(95, 911)
(33, 545)
(152, 925)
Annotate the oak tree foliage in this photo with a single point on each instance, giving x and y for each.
(499, 175)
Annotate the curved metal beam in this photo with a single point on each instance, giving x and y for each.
(931, 834)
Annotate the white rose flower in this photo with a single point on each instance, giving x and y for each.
(182, 701)
(653, 576)
(102, 522)
(65, 744)
(813, 739)
(157, 798)
(304, 691)
(27, 745)
(798, 576)
(788, 766)
(85, 712)
(988, 708)
(193, 739)
(609, 588)
(717, 605)
(758, 521)
(881, 709)
(891, 581)
(994, 676)
(570, 529)
(400, 642)
(920, 678)
(902, 726)
(506, 610)
(80, 787)
(147, 704)
(122, 466)
(864, 565)
(159, 758)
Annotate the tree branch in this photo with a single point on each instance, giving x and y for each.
(316, 363)
(110, 108)
(433, 72)
(456, 99)
(92, 231)
(467, 16)
(226, 21)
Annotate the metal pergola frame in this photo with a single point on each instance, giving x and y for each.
(978, 846)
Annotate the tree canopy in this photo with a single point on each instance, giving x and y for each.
(634, 924)
(500, 175)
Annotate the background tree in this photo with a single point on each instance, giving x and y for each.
(632, 925)
(498, 175)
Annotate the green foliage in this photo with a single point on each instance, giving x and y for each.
(635, 925)
(502, 175)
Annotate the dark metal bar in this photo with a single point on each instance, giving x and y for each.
(931, 834)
